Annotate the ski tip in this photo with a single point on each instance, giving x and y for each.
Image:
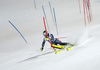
(58, 51)
(69, 48)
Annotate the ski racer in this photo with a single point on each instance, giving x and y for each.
(53, 40)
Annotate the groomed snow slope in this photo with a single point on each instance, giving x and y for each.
(15, 54)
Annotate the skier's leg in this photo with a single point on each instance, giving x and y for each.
(63, 43)
(59, 42)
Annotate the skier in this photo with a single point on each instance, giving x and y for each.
(53, 40)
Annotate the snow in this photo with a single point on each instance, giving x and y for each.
(15, 54)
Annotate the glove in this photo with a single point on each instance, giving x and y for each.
(41, 49)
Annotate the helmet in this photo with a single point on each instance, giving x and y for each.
(44, 33)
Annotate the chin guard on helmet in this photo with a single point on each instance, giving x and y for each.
(45, 34)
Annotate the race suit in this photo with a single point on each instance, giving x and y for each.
(53, 40)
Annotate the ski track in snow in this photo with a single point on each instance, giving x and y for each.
(15, 54)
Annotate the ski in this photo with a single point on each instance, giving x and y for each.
(58, 46)
(66, 48)
(60, 51)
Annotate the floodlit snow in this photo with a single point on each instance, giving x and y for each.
(15, 54)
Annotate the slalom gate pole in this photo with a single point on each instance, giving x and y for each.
(90, 11)
(18, 31)
(84, 12)
(51, 11)
(87, 10)
(79, 6)
(61, 37)
(45, 18)
(55, 21)
(47, 34)
(34, 4)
